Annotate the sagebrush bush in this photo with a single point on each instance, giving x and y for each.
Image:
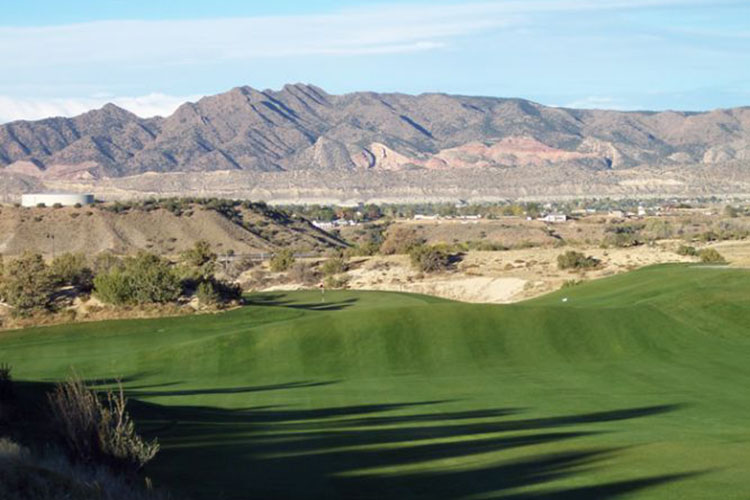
(98, 430)
(333, 282)
(429, 258)
(711, 256)
(687, 251)
(576, 260)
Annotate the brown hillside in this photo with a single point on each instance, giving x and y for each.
(98, 228)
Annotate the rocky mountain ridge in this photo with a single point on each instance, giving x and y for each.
(303, 128)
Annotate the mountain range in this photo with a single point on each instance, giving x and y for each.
(304, 130)
(303, 127)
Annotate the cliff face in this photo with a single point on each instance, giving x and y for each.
(301, 127)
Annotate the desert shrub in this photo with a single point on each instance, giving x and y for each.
(98, 430)
(238, 266)
(400, 240)
(57, 205)
(282, 261)
(687, 251)
(622, 236)
(334, 265)
(207, 294)
(41, 205)
(6, 382)
(104, 262)
(711, 256)
(73, 270)
(659, 229)
(366, 249)
(303, 273)
(571, 283)
(27, 284)
(217, 292)
(199, 263)
(576, 260)
(430, 258)
(333, 282)
(708, 236)
(730, 211)
(50, 475)
(141, 279)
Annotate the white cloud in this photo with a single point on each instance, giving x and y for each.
(600, 102)
(395, 28)
(12, 109)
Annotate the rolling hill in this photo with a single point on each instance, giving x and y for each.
(634, 386)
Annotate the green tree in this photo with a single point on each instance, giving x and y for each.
(142, 279)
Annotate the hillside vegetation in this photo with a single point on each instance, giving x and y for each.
(631, 386)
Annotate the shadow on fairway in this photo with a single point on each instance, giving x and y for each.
(138, 393)
(280, 300)
(280, 452)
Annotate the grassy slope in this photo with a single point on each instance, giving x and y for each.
(634, 386)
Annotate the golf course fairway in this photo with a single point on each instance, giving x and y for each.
(633, 386)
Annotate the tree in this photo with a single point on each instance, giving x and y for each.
(142, 279)
(27, 284)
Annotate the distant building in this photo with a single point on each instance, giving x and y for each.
(51, 199)
(425, 217)
(554, 218)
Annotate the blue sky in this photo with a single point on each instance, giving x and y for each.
(62, 58)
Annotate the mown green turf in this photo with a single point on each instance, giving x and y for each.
(636, 386)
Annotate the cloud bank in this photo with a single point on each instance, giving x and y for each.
(12, 109)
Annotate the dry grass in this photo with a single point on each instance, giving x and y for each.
(51, 476)
(97, 431)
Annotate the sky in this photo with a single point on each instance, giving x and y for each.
(149, 56)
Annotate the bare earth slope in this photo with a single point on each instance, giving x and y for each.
(362, 140)
(93, 229)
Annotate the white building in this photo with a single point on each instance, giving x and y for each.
(51, 199)
(553, 218)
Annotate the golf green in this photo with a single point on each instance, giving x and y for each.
(633, 386)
